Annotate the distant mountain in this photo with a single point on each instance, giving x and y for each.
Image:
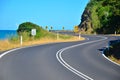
(101, 17)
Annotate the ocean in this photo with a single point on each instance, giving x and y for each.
(6, 34)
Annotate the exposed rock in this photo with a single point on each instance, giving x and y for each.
(86, 25)
(101, 17)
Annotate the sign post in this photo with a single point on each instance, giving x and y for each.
(115, 33)
(33, 32)
(79, 35)
(57, 35)
(21, 40)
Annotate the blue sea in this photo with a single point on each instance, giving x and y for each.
(6, 34)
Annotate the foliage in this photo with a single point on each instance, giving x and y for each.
(76, 29)
(51, 27)
(25, 30)
(63, 28)
(27, 26)
(105, 15)
(114, 50)
(46, 27)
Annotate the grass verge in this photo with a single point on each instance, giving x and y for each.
(14, 43)
(114, 59)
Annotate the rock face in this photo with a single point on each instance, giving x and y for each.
(101, 17)
(86, 24)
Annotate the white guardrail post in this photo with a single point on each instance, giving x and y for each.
(21, 40)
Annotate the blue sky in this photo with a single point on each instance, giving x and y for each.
(56, 13)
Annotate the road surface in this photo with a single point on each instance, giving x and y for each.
(79, 60)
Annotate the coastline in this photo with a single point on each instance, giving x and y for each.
(6, 34)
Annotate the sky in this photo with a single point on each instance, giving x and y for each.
(55, 13)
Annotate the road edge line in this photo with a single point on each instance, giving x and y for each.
(58, 54)
(66, 65)
(110, 59)
(5, 53)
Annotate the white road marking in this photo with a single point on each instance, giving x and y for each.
(65, 64)
(60, 59)
(110, 59)
(3, 54)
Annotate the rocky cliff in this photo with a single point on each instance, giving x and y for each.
(101, 17)
(86, 24)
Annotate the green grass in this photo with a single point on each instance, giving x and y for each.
(14, 41)
(114, 59)
(43, 34)
(114, 52)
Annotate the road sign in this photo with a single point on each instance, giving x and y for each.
(33, 32)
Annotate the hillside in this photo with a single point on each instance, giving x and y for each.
(101, 17)
(25, 28)
(42, 36)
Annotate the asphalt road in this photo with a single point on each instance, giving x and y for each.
(83, 61)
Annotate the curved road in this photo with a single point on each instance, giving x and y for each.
(80, 60)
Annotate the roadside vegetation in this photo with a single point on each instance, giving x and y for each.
(76, 29)
(101, 17)
(42, 36)
(114, 52)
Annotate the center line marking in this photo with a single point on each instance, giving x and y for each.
(66, 65)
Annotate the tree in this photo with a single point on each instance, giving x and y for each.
(51, 27)
(46, 27)
(76, 29)
(26, 27)
(104, 16)
(63, 28)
